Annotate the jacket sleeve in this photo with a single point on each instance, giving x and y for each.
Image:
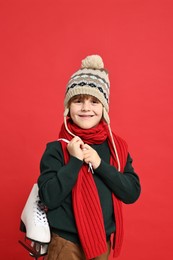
(56, 179)
(126, 186)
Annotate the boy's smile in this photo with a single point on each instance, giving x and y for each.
(86, 112)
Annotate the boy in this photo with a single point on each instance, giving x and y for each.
(87, 173)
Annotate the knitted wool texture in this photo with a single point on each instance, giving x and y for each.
(86, 202)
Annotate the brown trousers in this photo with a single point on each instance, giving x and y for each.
(62, 249)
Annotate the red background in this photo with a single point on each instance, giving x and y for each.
(42, 44)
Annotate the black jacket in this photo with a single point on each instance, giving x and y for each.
(57, 180)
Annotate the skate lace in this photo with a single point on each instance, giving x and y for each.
(40, 217)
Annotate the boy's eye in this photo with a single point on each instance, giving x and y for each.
(77, 100)
(95, 101)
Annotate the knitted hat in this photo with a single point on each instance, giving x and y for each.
(91, 79)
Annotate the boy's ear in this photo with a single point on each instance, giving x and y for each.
(66, 111)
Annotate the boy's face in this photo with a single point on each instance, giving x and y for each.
(86, 112)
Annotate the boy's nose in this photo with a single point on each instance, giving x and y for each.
(85, 106)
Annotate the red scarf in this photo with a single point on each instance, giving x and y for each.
(86, 202)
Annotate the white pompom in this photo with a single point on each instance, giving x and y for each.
(92, 62)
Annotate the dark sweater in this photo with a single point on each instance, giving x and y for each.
(57, 180)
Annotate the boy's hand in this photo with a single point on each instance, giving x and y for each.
(91, 156)
(74, 148)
